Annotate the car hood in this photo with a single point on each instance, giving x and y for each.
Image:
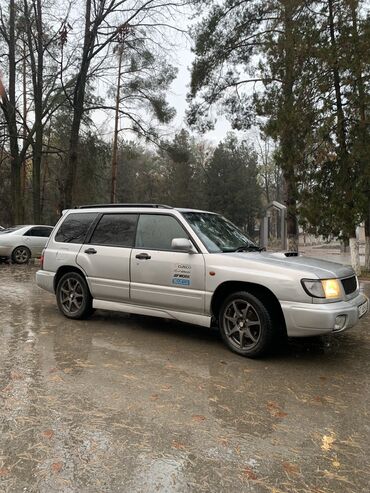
(322, 269)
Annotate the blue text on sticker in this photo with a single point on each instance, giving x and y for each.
(182, 282)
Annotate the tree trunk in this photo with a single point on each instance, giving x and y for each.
(287, 139)
(11, 119)
(38, 91)
(24, 164)
(355, 255)
(367, 242)
(354, 249)
(71, 165)
(113, 196)
(78, 104)
(45, 173)
(36, 55)
(292, 222)
(36, 174)
(15, 180)
(344, 245)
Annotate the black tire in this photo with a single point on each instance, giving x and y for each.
(73, 296)
(21, 255)
(246, 325)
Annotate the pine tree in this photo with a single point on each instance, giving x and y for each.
(232, 185)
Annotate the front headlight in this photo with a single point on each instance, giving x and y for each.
(326, 288)
(331, 288)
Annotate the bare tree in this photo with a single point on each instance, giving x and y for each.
(32, 47)
(35, 37)
(113, 196)
(103, 22)
(8, 106)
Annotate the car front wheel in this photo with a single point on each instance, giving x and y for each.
(21, 255)
(246, 325)
(73, 296)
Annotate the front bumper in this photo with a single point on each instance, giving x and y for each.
(310, 319)
(45, 280)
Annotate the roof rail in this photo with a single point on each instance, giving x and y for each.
(96, 206)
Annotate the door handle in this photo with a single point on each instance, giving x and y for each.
(90, 251)
(143, 256)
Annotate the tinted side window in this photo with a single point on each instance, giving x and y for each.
(158, 231)
(115, 230)
(74, 228)
(29, 232)
(41, 231)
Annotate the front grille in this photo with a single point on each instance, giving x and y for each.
(349, 284)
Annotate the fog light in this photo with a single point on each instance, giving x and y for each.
(340, 322)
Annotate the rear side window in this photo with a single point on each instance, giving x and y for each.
(39, 231)
(156, 231)
(115, 230)
(74, 228)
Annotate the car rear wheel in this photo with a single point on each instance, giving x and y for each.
(246, 325)
(73, 296)
(21, 255)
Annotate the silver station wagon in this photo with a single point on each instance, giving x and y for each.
(196, 267)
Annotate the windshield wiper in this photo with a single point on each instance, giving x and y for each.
(249, 248)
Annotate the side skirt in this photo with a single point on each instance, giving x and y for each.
(190, 318)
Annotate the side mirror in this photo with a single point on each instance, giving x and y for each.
(182, 245)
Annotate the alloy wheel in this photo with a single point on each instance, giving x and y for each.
(71, 295)
(21, 255)
(242, 324)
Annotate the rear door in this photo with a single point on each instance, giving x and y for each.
(35, 239)
(160, 276)
(105, 256)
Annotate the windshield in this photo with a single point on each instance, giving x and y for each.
(217, 233)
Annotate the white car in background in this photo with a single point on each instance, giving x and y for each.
(20, 243)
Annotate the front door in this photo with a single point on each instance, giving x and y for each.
(162, 277)
(105, 256)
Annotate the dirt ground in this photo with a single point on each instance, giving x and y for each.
(139, 405)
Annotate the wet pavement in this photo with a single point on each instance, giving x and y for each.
(132, 404)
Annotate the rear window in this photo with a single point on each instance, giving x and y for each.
(75, 226)
(115, 230)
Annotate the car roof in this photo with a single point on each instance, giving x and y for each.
(124, 205)
(183, 209)
(129, 206)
